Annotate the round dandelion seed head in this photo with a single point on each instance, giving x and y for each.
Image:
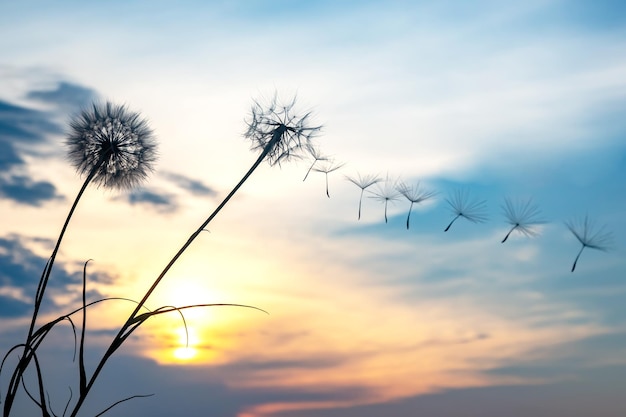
(114, 145)
(275, 128)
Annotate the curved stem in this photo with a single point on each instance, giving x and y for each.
(386, 210)
(309, 170)
(360, 201)
(450, 225)
(48, 269)
(508, 234)
(122, 334)
(578, 256)
(41, 288)
(327, 193)
(408, 217)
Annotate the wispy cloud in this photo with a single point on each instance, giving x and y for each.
(67, 96)
(24, 190)
(194, 186)
(20, 268)
(161, 202)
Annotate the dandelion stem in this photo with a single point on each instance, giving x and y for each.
(48, 269)
(386, 210)
(578, 256)
(453, 220)
(408, 217)
(126, 329)
(327, 192)
(41, 288)
(360, 201)
(509, 234)
(309, 170)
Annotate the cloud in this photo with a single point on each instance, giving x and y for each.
(195, 187)
(13, 307)
(21, 128)
(20, 270)
(24, 190)
(67, 96)
(159, 201)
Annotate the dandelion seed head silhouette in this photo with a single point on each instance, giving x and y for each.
(113, 144)
(277, 124)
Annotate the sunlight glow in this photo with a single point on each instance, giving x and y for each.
(185, 353)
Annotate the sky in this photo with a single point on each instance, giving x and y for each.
(482, 105)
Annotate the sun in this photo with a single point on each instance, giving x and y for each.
(185, 353)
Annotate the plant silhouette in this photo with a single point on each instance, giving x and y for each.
(115, 148)
(112, 147)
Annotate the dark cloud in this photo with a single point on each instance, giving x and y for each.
(20, 270)
(67, 96)
(195, 187)
(178, 390)
(23, 190)
(8, 156)
(12, 307)
(159, 201)
(21, 128)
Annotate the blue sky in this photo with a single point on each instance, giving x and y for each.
(505, 101)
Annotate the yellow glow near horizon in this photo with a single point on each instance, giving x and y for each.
(185, 353)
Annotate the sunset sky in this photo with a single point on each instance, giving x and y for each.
(488, 102)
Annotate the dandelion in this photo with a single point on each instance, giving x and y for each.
(386, 193)
(415, 195)
(363, 183)
(114, 148)
(111, 145)
(278, 132)
(462, 206)
(522, 216)
(326, 169)
(584, 231)
(281, 135)
(317, 156)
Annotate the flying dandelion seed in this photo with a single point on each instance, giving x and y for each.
(317, 156)
(112, 145)
(327, 168)
(462, 206)
(278, 131)
(416, 195)
(386, 193)
(522, 216)
(584, 232)
(363, 183)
